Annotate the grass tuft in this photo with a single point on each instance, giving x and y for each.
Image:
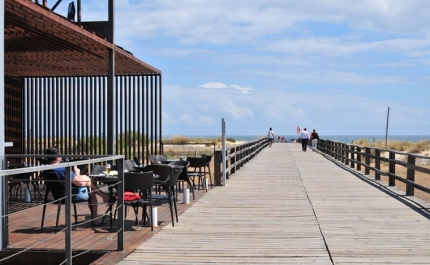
(402, 146)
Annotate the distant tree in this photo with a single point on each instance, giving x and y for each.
(95, 145)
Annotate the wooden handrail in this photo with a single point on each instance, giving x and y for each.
(236, 157)
(353, 155)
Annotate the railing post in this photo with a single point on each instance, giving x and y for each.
(240, 156)
(410, 175)
(227, 163)
(367, 161)
(120, 191)
(358, 158)
(326, 146)
(233, 159)
(392, 169)
(217, 168)
(377, 164)
(341, 153)
(346, 154)
(352, 148)
(335, 150)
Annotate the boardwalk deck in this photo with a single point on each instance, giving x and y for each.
(292, 207)
(24, 227)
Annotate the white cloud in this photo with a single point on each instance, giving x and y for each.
(215, 85)
(238, 113)
(243, 90)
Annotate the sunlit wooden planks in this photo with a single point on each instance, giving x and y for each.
(293, 207)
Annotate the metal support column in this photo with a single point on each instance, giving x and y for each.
(3, 236)
(111, 82)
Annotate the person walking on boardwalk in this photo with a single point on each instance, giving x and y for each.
(271, 136)
(314, 139)
(304, 137)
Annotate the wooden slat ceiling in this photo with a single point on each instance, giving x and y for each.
(41, 43)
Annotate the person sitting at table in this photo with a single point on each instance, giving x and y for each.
(77, 180)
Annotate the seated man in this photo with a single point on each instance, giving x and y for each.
(77, 180)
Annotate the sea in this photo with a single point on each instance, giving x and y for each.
(336, 138)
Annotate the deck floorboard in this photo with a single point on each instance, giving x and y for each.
(287, 206)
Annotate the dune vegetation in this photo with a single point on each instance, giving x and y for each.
(402, 146)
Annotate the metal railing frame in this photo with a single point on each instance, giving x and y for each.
(68, 213)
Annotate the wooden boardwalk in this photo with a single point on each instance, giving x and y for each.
(287, 206)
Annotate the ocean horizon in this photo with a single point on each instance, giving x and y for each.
(336, 138)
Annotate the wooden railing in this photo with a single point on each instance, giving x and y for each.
(381, 162)
(236, 157)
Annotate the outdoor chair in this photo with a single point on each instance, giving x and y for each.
(197, 169)
(129, 166)
(158, 159)
(208, 166)
(139, 184)
(56, 188)
(169, 188)
(183, 177)
(15, 185)
(167, 178)
(136, 160)
(97, 169)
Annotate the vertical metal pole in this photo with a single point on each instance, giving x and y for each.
(386, 129)
(160, 110)
(120, 242)
(68, 216)
(79, 12)
(111, 82)
(3, 186)
(223, 153)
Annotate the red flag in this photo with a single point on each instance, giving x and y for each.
(298, 129)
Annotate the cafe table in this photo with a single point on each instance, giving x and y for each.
(112, 182)
(141, 167)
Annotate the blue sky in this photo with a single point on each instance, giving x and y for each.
(332, 65)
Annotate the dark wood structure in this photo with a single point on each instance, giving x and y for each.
(57, 93)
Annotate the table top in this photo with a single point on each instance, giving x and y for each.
(140, 167)
(103, 177)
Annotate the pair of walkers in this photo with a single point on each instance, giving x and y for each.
(305, 136)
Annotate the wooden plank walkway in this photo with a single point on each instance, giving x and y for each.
(24, 227)
(287, 206)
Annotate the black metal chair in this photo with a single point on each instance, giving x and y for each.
(16, 181)
(167, 178)
(97, 169)
(136, 160)
(169, 188)
(208, 166)
(142, 184)
(158, 159)
(183, 177)
(55, 187)
(197, 169)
